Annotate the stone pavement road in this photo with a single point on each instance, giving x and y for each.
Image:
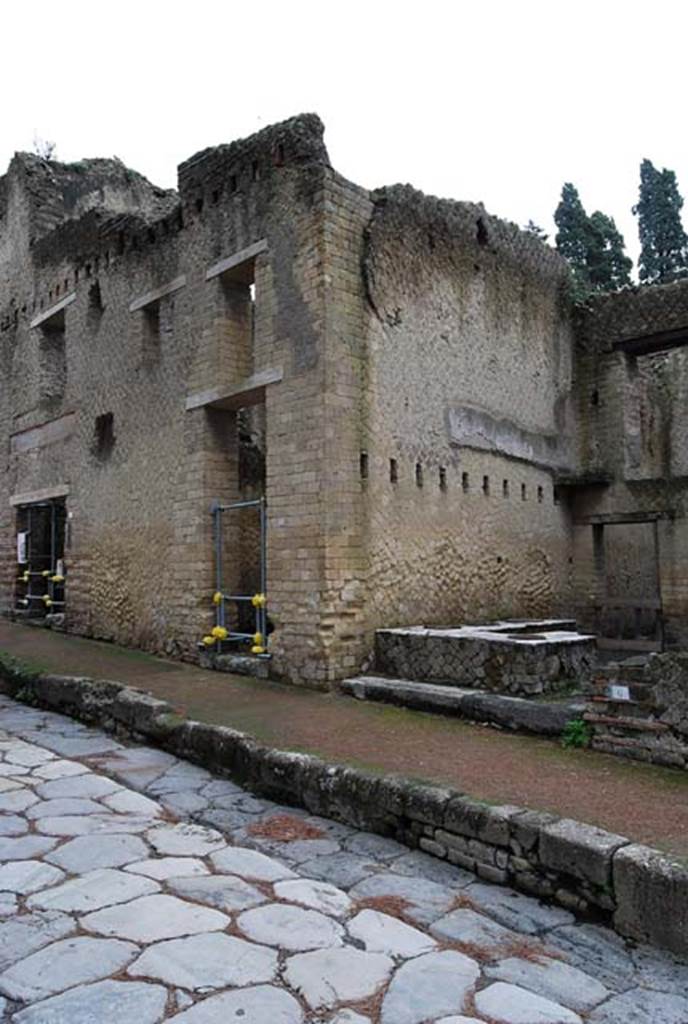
(137, 886)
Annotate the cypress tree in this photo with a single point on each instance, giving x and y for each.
(572, 237)
(593, 247)
(609, 268)
(531, 228)
(663, 242)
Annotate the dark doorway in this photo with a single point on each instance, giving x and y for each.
(629, 615)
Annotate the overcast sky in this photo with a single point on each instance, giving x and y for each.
(493, 100)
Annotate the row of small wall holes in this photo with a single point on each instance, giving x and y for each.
(277, 159)
(465, 480)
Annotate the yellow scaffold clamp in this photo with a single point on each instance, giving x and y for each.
(57, 578)
(208, 641)
(217, 597)
(259, 600)
(25, 576)
(45, 573)
(257, 644)
(47, 601)
(219, 632)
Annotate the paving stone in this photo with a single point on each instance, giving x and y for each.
(28, 755)
(305, 849)
(330, 976)
(81, 745)
(381, 933)
(343, 869)
(552, 979)
(243, 802)
(92, 824)
(226, 821)
(86, 853)
(163, 868)
(182, 776)
(93, 890)
(61, 808)
(640, 1006)
(426, 900)
(64, 964)
(60, 769)
(152, 918)
(25, 847)
(431, 985)
(597, 951)
(458, 1020)
(102, 1002)
(226, 892)
(203, 962)
(127, 802)
(349, 1017)
(291, 928)
(515, 910)
(186, 803)
(12, 825)
(8, 785)
(367, 844)
(25, 934)
(184, 840)
(467, 926)
(509, 1004)
(8, 904)
(660, 970)
(13, 770)
(263, 1004)
(219, 788)
(27, 876)
(237, 860)
(315, 895)
(17, 801)
(79, 786)
(137, 766)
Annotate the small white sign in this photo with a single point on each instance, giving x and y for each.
(619, 692)
(21, 548)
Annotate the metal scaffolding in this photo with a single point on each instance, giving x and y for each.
(221, 633)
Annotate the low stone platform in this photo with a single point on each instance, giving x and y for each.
(521, 656)
(542, 717)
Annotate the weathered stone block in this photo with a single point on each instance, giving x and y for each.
(479, 821)
(651, 892)
(581, 851)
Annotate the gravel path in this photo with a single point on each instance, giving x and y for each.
(135, 885)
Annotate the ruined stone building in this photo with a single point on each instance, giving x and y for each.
(439, 436)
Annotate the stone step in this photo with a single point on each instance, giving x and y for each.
(528, 715)
(624, 722)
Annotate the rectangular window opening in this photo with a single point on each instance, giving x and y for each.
(443, 478)
(486, 485)
(465, 483)
(505, 488)
(363, 465)
(393, 471)
(524, 492)
(419, 474)
(104, 435)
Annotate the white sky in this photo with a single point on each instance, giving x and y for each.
(493, 100)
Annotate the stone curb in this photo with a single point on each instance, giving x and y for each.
(641, 891)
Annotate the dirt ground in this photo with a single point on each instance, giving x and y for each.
(646, 803)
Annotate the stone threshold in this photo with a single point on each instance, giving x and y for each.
(640, 891)
(544, 718)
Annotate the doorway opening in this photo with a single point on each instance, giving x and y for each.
(629, 613)
(40, 586)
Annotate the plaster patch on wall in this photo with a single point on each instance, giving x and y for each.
(473, 428)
